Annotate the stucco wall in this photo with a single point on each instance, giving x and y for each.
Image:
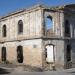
(31, 25)
(58, 53)
(57, 21)
(32, 52)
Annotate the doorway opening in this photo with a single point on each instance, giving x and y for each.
(3, 54)
(68, 57)
(50, 53)
(20, 54)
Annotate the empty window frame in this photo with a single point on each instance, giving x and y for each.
(4, 31)
(67, 28)
(20, 26)
(49, 23)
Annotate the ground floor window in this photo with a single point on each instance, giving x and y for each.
(3, 54)
(20, 54)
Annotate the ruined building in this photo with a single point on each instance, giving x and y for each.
(40, 36)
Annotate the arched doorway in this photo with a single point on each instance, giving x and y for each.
(3, 54)
(20, 54)
(50, 53)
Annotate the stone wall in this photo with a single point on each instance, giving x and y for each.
(32, 52)
(57, 20)
(31, 25)
(58, 53)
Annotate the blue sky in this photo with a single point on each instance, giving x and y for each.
(7, 6)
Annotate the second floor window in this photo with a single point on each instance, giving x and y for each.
(4, 31)
(49, 23)
(49, 26)
(67, 28)
(20, 26)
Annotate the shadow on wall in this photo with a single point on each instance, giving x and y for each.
(4, 71)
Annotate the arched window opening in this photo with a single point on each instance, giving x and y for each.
(49, 25)
(4, 31)
(68, 53)
(3, 54)
(20, 26)
(20, 54)
(67, 28)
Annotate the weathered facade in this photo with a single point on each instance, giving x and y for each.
(25, 38)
